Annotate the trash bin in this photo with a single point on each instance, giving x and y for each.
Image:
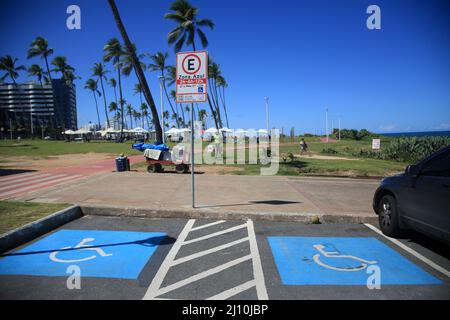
(122, 163)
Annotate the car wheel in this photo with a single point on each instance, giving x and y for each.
(388, 218)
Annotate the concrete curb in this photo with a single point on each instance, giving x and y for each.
(37, 228)
(208, 213)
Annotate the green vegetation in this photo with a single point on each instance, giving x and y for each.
(410, 150)
(16, 214)
(44, 148)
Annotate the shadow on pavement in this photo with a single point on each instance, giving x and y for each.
(149, 242)
(8, 172)
(269, 202)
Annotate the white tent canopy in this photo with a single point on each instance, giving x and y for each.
(211, 130)
(138, 130)
(226, 130)
(172, 131)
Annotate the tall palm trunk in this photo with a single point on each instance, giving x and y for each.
(96, 107)
(121, 102)
(138, 70)
(171, 105)
(55, 102)
(104, 100)
(213, 112)
(222, 98)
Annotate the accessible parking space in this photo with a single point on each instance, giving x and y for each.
(341, 261)
(157, 259)
(116, 258)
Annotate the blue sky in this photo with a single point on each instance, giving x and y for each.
(304, 55)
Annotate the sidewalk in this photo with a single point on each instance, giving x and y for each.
(224, 195)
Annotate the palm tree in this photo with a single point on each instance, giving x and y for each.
(100, 72)
(39, 48)
(138, 70)
(70, 77)
(62, 66)
(35, 70)
(130, 113)
(173, 95)
(113, 108)
(138, 90)
(137, 116)
(222, 84)
(202, 117)
(145, 115)
(8, 64)
(159, 64)
(113, 83)
(213, 74)
(91, 84)
(113, 51)
(189, 25)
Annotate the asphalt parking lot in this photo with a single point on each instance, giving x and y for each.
(142, 258)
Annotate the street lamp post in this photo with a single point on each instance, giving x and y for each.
(161, 83)
(267, 114)
(326, 123)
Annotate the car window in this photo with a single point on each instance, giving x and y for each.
(439, 166)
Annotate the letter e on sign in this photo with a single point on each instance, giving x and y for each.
(192, 76)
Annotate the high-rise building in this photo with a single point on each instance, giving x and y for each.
(32, 103)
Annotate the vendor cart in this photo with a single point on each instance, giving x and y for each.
(177, 157)
(156, 166)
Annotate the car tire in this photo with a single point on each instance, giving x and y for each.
(388, 218)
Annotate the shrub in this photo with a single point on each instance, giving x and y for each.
(329, 151)
(410, 149)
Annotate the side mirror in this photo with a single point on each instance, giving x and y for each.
(412, 170)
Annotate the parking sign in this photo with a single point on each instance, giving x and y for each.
(192, 76)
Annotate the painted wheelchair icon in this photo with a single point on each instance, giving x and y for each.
(335, 254)
(85, 247)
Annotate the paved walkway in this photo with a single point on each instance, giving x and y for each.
(16, 185)
(330, 196)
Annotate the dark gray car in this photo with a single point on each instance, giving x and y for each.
(417, 199)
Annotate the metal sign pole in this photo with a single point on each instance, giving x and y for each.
(192, 156)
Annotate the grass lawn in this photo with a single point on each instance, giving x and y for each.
(44, 148)
(349, 165)
(17, 214)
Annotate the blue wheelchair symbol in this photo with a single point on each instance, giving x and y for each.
(200, 89)
(105, 254)
(342, 261)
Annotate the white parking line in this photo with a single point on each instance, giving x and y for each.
(411, 251)
(155, 290)
(152, 291)
(257, 267)
(205, 252)
(207, 225)
(233, 291)
(215, 234)
(203, 274)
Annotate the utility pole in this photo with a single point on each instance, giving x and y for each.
(339, 129)
(326, 123)
(267, 114)
(161, 83)
(31, 121)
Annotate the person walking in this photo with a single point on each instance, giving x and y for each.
(303, 146)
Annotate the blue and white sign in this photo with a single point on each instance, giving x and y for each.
(342, 261)
(105, 254)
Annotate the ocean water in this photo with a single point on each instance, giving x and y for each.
(418, 134)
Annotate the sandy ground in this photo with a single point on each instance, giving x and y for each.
(322, 157)
(67, 160)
